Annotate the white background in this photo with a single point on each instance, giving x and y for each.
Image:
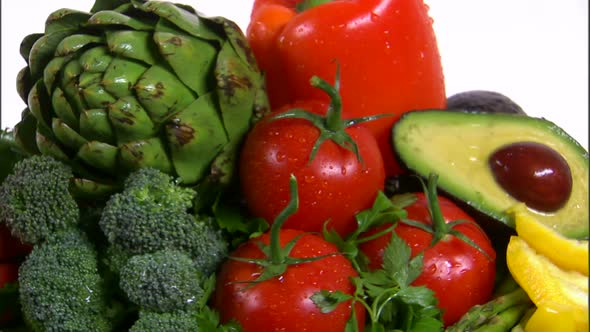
(534, 51)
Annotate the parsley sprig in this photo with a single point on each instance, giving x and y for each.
(391, 302)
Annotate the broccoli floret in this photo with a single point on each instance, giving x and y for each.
(34, 199)
(153, 213)
(61, 288)
(177, 321)
(164, 281)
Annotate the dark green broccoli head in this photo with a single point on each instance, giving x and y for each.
(178, 321)
(34, 199)
(164, 281)
(153, 213)
(60, 286)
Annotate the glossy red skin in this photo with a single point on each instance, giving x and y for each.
(283, 303)
(334, 187)
(459, 274)
(10, 247)
(8, 274)
(386, 49)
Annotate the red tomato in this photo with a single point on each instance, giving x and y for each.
(8, 274)
(283, 303)
(460, 275)
(11, 247)
(333, 187)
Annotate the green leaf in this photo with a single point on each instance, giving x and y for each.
(327, 301)
(417, 295)
(396, 258)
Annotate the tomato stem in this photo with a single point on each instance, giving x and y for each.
(334, 114)
(276, 252)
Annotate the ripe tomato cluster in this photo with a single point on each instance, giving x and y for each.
(334, 138)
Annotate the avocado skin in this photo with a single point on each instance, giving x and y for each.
(483, 101)
(416, 140)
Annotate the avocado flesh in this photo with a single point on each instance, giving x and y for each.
(457, 145)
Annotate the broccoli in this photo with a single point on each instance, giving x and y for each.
(153, 213)
(177, 321)
(61, 288)
(34, 199)
(164, 281)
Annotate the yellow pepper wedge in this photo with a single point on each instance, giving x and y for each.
(568, 254)
(551, 319)
(547, 284)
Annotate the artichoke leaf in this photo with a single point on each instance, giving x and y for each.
(52, 70)
(184, 19)
(96, 96)
(95, 59)
(43, 51)
(48, 146)
(65, 19)
(24, 133)
(73, 95)
(195, 136)
(71, 71)
(39, 103)
(236, 90)
(76, 42)
(87, 79)
(90, 189)
(121, 75)
(237, 40)
(132, 44)
(95, 126)
(162, 94)
(100, 5)
(99, 155)
(112, 17)
(192, 59)
(145, 153)
(66, 135)
(24, 83)
(27, 44)
(130, 121)
(62, 108)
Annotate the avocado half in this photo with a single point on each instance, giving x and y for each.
(457, 146)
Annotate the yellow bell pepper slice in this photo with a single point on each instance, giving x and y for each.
(551, 319)
(546, 283)
(566, 253)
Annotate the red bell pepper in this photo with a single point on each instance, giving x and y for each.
(386, 49)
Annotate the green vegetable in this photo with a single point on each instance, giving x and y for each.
(499, 314)
(8, 153)
(136, 83)
(178, 321)
(164, 281)
(61, 288)
(391, 301)
(153, 213)
(34, 199)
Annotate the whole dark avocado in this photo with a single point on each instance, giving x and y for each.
(494, 162)
(483, 101)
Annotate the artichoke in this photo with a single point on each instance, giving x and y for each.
(132, 84)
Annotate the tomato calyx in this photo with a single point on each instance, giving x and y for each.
(276, 257)
(441, 230)
(331, 126)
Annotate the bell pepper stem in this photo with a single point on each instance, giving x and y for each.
(307, 4)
